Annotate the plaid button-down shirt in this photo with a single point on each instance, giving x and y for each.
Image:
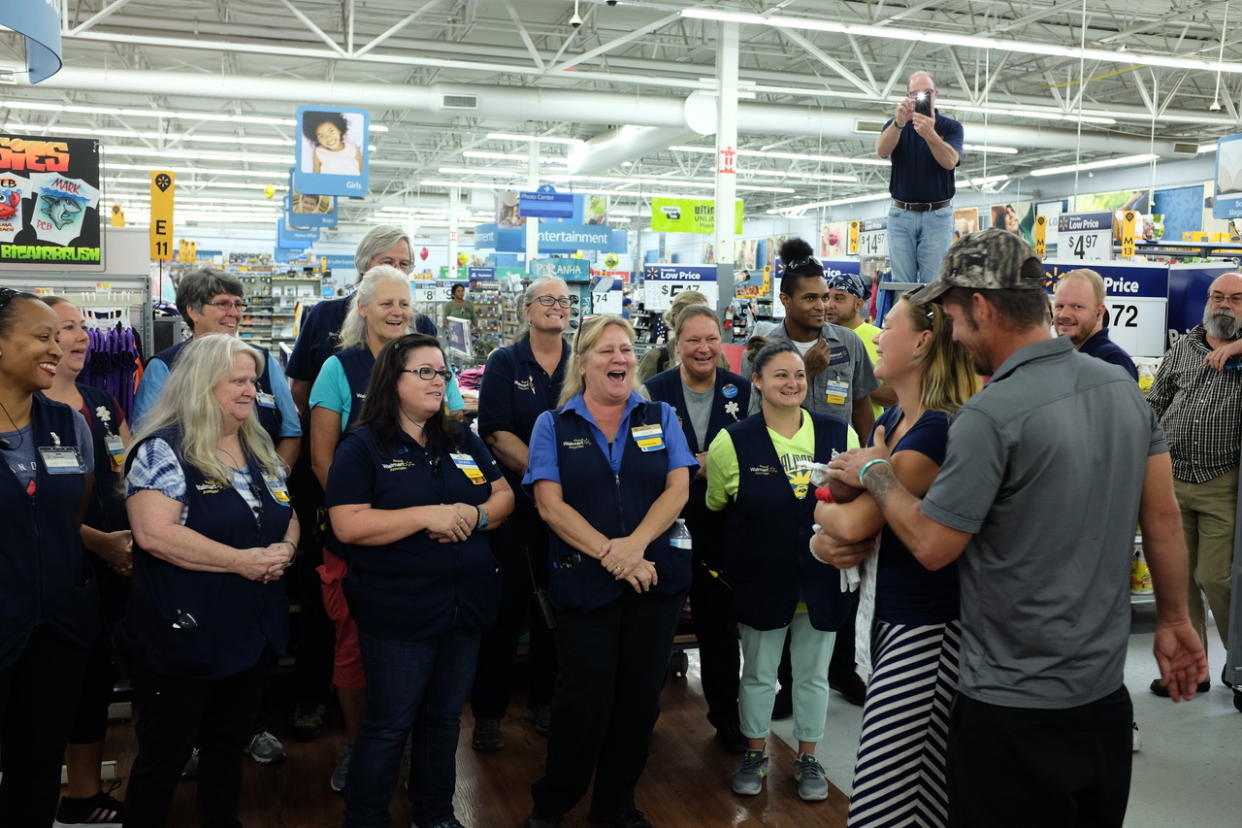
(1200, 409)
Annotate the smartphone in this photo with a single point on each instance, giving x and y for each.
(922, 103)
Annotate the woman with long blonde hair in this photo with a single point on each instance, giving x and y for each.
(908, 613)
(213, 532)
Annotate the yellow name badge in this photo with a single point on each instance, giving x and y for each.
(649, 437)
(277, 489)
(469, 467)
(836, 392)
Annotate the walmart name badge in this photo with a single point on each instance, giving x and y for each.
(468, 466)
(62, 460)
(265, 400)
(115, 447)
(649, 437)
(276, 488)
(836, 392)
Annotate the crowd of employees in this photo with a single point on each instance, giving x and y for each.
(971, 557)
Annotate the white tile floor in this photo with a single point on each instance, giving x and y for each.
(1187, 775)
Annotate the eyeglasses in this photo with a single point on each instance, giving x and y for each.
(1217, 298)
(224, 305)
(428, 373)
(549, 301)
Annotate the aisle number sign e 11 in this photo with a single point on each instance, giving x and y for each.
(1087, 237)
(663, 282)
(163, 192)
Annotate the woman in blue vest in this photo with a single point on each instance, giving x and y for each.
(410, 493)
(914, 640)
(707, 398)
(610, 473)
(521, 381)
(49, 612)
(105, 532)
(213, 532)
(754, 474)
(211, 302)
(379, 314)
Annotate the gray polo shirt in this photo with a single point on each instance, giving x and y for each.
(1045, 468)
(847, 377)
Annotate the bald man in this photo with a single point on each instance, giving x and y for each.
(925, 148)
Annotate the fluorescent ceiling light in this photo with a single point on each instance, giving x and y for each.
(630, 181)
(284, 175)
(200, 155)
(798, 209)
(989, 148)
(1205, 148)
(43, 106)
(538, 139)
(1124, 161)
(962, 40)
(511, 156)
(1027, 112)
(983, 181)
(194, 186)
(789, 156)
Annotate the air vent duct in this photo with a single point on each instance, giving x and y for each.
(869, 127)
(460, 102)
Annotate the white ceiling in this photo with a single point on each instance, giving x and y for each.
(221, 65)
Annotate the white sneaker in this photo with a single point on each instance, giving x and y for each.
(265, 749)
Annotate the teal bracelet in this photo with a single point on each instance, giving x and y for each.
(863, 471)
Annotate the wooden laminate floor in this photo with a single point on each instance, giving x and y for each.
(686, 784)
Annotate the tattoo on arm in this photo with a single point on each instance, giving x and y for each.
(880, 480)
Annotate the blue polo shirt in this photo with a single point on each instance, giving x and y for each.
(1101, 347)
(915, 175)
(543, 465)
(317, 336)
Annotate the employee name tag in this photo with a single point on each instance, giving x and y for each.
(116, 449)
(62, 459)
(266, 400)
(836, 392)
(649, 437)
(277, 489)
(468, 466)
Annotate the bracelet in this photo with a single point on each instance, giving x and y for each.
(481, 520)
(863, 471)
(290, 542)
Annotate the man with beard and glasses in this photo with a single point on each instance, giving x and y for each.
(1198, 397)
(1079, 312)
(1047, 471)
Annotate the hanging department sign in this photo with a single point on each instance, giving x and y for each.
(690, 215)
(1087, 237)
(662, 282)
(39, 22)
(49, 203)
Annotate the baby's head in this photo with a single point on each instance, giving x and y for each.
(325, 129)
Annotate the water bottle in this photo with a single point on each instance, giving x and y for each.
(680, 539)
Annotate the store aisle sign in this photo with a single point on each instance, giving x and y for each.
(49, 202)
(330, 156)
(1135, 298)
(1087, 237)
(305, 210)
(661, 283)
(338, 262)
(560, 237)
(571, 270)
(480, 273)
(873, 239)
(606, 295)
(160, 233)
(39, 22)
(690, 215)
(550, 205)
(294, 239)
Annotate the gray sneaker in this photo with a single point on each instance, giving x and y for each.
(748, 781)
(337, 782)
(190, 771)
(266, 749)
(812, 784)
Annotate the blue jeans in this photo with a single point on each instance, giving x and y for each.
(417, 686)
(917, 242)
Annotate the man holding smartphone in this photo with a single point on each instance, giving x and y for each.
(925, 148)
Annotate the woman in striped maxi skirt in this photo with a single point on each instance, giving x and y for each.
(907, 622)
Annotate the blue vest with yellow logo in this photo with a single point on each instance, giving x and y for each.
(357, 364)
(768, 560)
(207, 625)
(612, 504)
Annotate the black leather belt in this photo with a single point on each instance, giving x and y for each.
(921, 208)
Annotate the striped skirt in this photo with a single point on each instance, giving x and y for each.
(899, 778)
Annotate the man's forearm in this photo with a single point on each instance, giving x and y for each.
(888, 139)
(1164, 548)
(932, 545)
(944, 154)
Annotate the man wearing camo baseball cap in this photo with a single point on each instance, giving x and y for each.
(1046, 470)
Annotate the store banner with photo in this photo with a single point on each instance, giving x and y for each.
(833, 237)
(49, 202)
(39, 22)
(306, 210)
(690, 215)
(965, 221)
(331, 155)
(294, 239)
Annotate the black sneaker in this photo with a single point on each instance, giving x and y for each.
(542, 718)
(307, 722)
(782, 705)
(851, 687)
(729, 735)
(1160, 690)
(632, 818)
(487, 736)
(100, 810)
